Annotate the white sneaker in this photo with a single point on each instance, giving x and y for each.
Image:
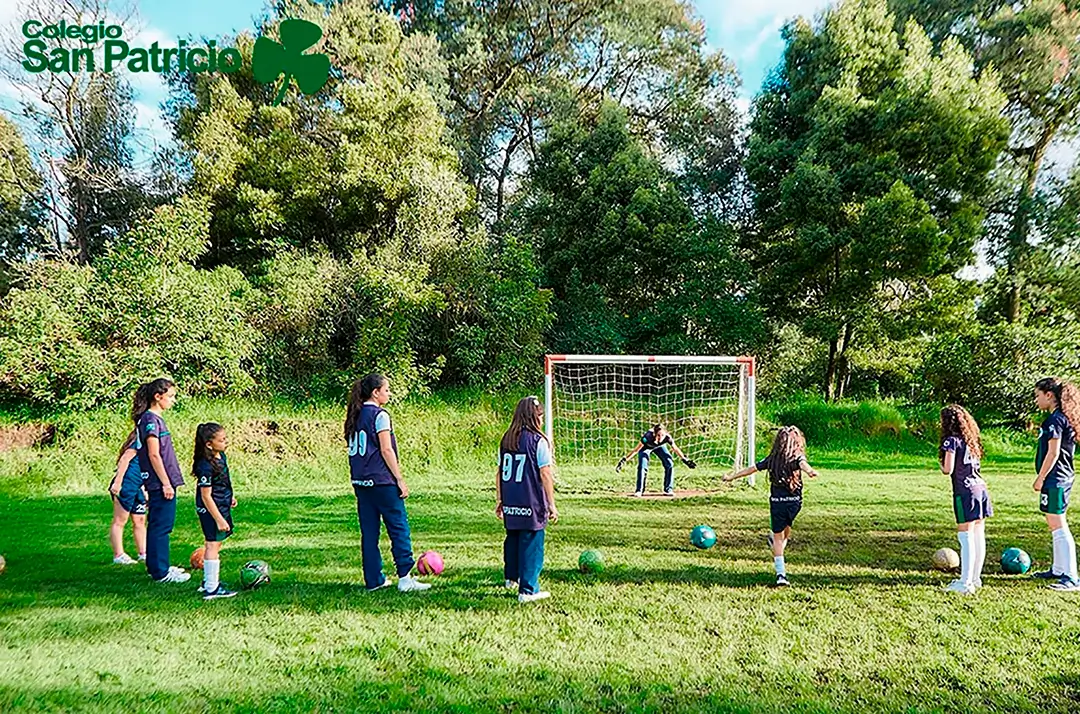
(124, 559)
(142, 557)
(542, 595)
(978, 583)
(409, 584)
(387, 582)
(176, 569)
(637, 494)
(175, 576)
(959, 586)
(510, 584)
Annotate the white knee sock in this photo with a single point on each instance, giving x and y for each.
(211, 573)
(967, 560)
(1065, 552)
(778, 563)
(980, 553)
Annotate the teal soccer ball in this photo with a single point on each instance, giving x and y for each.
(1015, 561)
(703, 537)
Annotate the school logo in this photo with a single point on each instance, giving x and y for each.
(74, 48)
(272, 59)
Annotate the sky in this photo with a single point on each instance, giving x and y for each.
(748, 32)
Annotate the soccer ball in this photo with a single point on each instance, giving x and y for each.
(1015, 561)
(3, 564)
(253, 574)
(430, 563)
(591, 561)
(703, 537)
(946, 559)
(197, 557)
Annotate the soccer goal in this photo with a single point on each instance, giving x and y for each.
(598, 406)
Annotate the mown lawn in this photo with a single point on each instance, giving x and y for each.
(665, 628)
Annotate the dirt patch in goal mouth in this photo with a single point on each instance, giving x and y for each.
(24, 436)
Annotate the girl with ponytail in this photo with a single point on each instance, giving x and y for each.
(1054, 465)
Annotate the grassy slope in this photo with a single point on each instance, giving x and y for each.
(665, 628)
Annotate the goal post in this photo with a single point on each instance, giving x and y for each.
(596, 407)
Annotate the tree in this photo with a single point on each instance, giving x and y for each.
(631, 267)
(20, 224)
(518, 68)
(869, 156)
(1033, 45)
(82, 124)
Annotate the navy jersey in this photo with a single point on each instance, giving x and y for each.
(152, 425)
(1057, 426)
(134, 469)
(966, 477)
(220, 484)
(649, 443)
(784, 489)
(524, 503)
(366, 463)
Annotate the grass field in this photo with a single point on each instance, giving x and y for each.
(665, 628)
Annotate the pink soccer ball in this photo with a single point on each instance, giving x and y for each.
(430, 563)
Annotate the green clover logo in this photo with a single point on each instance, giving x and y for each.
(271, 59)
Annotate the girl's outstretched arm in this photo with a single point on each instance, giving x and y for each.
(806, 468)
(626, 458)
(751, 469)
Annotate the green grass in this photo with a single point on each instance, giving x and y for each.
(665, 628)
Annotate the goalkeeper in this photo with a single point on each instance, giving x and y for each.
(657, 441)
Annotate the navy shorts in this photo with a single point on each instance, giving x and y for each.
(131, 498)
(209, 527)
(782, 513)
(1055, 498)
(970, 507)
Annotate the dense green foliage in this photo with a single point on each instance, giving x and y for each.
(480, 183)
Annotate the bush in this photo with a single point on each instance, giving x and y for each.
(75, 336)
(836, 422)
(993, 368)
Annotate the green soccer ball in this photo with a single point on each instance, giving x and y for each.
(703, 537)
(1015, 561)
(591, 561)
(253, 574)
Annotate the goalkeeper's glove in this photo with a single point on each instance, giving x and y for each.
(622, 462)
(689, 464)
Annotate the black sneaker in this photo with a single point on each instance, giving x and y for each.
(782, 581)
(1048, 575)
(221, 592)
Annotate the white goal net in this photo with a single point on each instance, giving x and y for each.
(598, 406)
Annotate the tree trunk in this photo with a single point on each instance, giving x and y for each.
(843, 367)
(1018, 247)
(830, 371)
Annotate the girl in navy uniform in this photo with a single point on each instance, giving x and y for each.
(157, 459)
(525, 499)
(656, 440)
(786, 464)
(1054, 465)
(129, 501)
(960, 456)
(214, 502)
(378, 484)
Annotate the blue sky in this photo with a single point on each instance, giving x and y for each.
(748, 31)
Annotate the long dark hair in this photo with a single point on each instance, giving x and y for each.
(205, 433)
(957, 421)
(146, 394)
(1068, 398)
(127, 445)
(361, 392)
(788, 449)
(528, 416)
